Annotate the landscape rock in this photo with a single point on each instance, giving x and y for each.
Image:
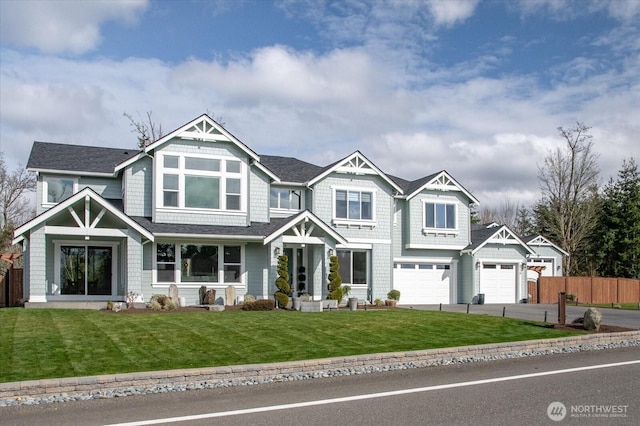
(592, 319)
(230, 295)
(173, 293)
(209, 297)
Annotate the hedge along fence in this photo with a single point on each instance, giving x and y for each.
(586, 289)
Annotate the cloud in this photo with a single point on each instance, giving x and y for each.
(451, 12)
(625, 11)
(62, 26)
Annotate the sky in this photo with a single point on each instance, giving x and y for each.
(476, 88)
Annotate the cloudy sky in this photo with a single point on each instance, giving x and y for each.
(477, 88)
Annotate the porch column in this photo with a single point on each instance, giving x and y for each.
(134, 264)
(37, 266)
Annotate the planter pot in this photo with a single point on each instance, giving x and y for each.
(390, 303)
(311, 306)
(330, 304)
(353, 303)
(297, 302)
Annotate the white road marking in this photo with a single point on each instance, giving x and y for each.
(369, 396)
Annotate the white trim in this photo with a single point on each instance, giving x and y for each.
(45, 188)
(86, 232)
(433, 247)
(345, 221)
(303, 217)
(362, 160)
(431, 185)
(294, 239)
(71, 172)
(368, 241)
(439, 231)
(213, 237)
(204, 120)
(354, 246)
(72, 200)
(115, 255)
(418, 259)
(491, 240)
(541, 241)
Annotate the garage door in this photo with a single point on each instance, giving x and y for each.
(422, 283)
(498, 283)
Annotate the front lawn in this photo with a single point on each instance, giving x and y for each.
(626, 306)
(48, 343)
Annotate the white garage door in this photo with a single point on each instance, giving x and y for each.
(498, 283)
(422, 283)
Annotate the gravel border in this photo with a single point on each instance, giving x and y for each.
(48, 391)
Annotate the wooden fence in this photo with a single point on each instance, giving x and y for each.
(585, 289)
(11, 287)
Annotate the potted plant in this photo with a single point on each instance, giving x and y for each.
(335, 288)
(392, 298)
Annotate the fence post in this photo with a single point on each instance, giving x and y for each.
(562, 309)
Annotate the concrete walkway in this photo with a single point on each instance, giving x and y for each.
(536, 312)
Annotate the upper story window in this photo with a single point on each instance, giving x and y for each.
(353, 204)
(285, 199)
(202, 183)
(440, 215)
(56, 189)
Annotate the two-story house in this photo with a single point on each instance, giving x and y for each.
(199, 207)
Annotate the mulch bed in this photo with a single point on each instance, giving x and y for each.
(203, 309)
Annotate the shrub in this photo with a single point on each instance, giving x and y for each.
(259, 305)
(249, 298)
(110, 305)
(378, 302)
(155, 305)
(394, 295)
(336, 291)
(282, 282)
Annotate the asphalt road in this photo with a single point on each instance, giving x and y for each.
(589, 384)
(535, 312)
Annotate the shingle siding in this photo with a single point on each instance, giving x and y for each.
(138, 194)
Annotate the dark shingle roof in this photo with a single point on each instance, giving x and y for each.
(480, 234)
(257, 229)
(76, 158)
(290, 169)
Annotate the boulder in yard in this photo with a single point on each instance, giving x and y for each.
(592, 319)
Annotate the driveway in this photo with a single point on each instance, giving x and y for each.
(536, 312)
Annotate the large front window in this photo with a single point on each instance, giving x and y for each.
(353, 266)
(85, 270)
(206, 263)
(201, 183)
(353, 205)
(440, 215)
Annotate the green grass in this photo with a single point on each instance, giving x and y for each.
(626, 306)
(43, 343)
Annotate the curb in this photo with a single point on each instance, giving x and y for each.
(211, 377)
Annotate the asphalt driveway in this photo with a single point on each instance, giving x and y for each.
(536, 312)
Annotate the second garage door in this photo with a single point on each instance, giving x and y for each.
(422, 283)
(498, 283)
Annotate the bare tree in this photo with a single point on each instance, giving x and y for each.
(504, 214)
(14, 206)
(569, 184)
(148, 131)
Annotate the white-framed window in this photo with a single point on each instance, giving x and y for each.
(198, 263)
(56, 188)
(439, 215)
(285, 199)
(354, 267)
(201, 182)
(354, 205)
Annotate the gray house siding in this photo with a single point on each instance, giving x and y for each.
(258, 200)
(138, 191)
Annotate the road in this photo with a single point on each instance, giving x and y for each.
(502, 392)
(536, 312)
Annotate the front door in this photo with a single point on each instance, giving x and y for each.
(297, 270)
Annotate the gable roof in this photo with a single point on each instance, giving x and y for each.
(89, 160)
(357, 164)
(488, 234)
(539, 240)
(304, 216)
(64, 205)
(203, 128)
(441, 180)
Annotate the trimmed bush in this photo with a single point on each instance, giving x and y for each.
(334, 287)
(282, 282)
(259, 305)
(394, 295)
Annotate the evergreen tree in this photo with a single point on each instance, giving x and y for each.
(618, 242)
